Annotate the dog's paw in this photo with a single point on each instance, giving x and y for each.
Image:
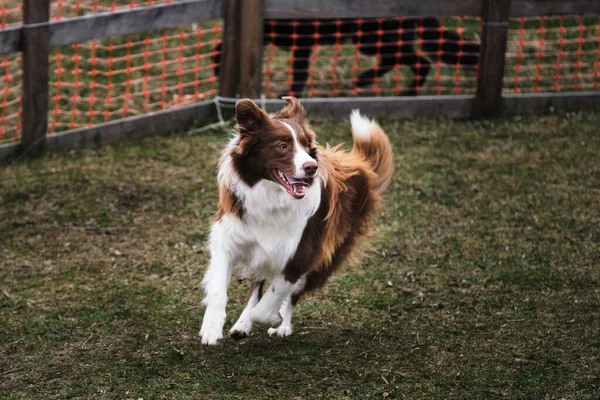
(212, 327)
(238, 335)
(211, 338)
(281, 331)
(240, 330)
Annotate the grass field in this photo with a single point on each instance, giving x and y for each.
(483, 281)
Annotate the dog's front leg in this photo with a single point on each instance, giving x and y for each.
(285, 328)
(266, 312)
(287, 309)
(243, 326)
(216, 281)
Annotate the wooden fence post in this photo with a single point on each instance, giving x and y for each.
(230, 49)
(488, 99)
(251, 47)
(35, 76)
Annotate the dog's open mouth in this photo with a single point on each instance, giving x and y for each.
(294, 186)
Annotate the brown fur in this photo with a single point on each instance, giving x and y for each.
(229, 203)
(257, 153)
(377, 152)
(347, 201)
(353, 183)
(259, 148)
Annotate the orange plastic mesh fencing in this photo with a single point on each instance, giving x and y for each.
(115, 78)
(381, 57)
(425, 56)
(553, 54)
(10, 102)
(11, 13)
(73, 8)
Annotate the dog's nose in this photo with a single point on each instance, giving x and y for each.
(310, 168)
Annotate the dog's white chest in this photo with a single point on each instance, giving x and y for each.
(268, 237)
(270, 247)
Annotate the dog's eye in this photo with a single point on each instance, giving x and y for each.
(283, 146)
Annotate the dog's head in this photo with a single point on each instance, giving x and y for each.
(280, 148)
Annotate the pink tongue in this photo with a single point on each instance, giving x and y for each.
(294, 181)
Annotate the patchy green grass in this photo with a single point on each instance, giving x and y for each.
(483, 283)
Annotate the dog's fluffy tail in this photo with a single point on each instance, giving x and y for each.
(372, 144)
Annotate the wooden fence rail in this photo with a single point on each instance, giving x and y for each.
(242, 60)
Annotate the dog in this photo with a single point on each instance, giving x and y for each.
(290, 212)
(392, 40)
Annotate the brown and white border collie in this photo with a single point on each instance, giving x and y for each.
(290, 212)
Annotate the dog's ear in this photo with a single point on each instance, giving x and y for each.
(293, 110)
(249, 117)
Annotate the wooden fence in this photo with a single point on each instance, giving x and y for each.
(242, 61)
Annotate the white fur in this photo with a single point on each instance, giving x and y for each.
(294, 134)
(243, 326)
(301, 156)
(285, 329)
(262, 244)
(266, 312)
(216, 280)
(286, 310)
(361, 125)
